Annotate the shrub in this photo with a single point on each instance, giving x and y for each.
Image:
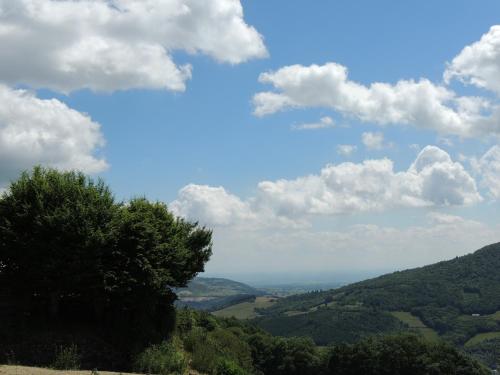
(228, 367)
(165, 358)
(67, 358)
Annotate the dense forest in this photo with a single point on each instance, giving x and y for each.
(457, 300)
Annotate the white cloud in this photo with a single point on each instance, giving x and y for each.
(346, 150)
(433, 180)
(373, 141)
(445, 141)
(357, 247)
(479, 63)
(488, 168)
(323, 123)
(442, 218)
(35, 131)
(213, 205)
(118, 44)
(408, 102)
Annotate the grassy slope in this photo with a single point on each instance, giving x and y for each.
(415, 324)
(482, 337)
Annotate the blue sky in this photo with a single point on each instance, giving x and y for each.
(198, 142)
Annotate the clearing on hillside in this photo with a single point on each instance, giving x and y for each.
(482, 337)
(416, 324)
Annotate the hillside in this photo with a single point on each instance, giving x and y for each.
(214, 287)
(456, 299)
(210, 294)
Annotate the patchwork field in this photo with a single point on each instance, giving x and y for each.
(482, 337)
(416, 324)
(246, 310)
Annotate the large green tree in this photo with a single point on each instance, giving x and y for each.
(70, 253)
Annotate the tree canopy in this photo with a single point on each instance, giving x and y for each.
(69, 252)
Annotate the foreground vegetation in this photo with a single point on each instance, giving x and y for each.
(210, 345)
(25, 370)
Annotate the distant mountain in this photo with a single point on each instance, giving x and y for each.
(457, 300)
(215, 287)
(210, 294)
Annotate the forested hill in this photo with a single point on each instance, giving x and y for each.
(210, 293)
(458, 300)
(470, 283)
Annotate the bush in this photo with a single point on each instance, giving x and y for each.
(162, 359)
(67, 358)
(204, 356)
(209, 348)
(227, 367)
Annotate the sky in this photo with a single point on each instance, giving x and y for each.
(314, 138)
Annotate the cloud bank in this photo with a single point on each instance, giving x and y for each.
(432, 180)
(68, 45)
(421, 103)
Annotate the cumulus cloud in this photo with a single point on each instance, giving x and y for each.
(346, 150)
(213, 205)
(36, 131)
(373, 141)
(433, 180)
(323, 123)
(488, 168)
(479, 63)
(67, 45)
(418, 103)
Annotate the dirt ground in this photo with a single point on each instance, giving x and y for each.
(21, 370)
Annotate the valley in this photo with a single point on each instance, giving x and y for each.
(454, 301)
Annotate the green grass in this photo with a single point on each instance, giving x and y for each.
(495, 316)
(416, 324)
(482, 337)
(294, 312)
(246, 310)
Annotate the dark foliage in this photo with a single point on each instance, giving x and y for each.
(488, 351)
(327, 326)
(401, 355)
(73, 260)
(444, 295)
